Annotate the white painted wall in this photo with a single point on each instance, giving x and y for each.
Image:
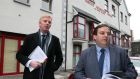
(19, 18)
(123, 27)
(69, 46)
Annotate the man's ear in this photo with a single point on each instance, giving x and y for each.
(94, 37)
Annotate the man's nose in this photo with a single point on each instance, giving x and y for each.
(106, 34)
(47, 23)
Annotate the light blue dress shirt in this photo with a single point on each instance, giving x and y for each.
(106, 67)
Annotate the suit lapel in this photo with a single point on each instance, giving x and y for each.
(95, 62)
(49, 44)
(38, 39)
(112, 57)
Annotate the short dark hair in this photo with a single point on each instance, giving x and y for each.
(99, 26)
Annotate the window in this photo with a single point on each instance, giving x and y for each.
(113, 10)
(114, 38)
(91, 29)
(121, 16)
(10, 63)
(26, 2)
(76, 54)
(46, 5)
(106, 5)
(127, 42)
(9, 44)
(126, 20)
(79, 27)
(111, 37)
(122, 41)
(117, 39)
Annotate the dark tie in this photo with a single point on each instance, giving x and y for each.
(43, 41)
(101, 61)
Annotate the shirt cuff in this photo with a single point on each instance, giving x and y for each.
(28, 63)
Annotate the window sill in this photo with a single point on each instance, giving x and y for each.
(80, 40)
(27, 4)
(46, 10)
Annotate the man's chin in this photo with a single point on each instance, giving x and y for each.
(105, 44)
(46, 30)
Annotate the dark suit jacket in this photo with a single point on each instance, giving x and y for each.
(54, 55)
(88, 66)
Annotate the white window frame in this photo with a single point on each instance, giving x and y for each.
(79, 27)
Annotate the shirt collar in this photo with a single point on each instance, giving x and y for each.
(41, 33)
(99, 48)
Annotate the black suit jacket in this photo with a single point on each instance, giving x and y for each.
(54, 55)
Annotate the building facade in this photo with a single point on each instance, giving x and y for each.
(73, 22)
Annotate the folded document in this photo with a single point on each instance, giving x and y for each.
(37, 55)
(110, 76)
(113, 75)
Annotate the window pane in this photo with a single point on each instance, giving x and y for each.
(81, 20)
(75, 59)
(75, 20)
(76, 54)
(46, 5)
(75, 31)
(91, 28)
(81, 31)
(10, 62)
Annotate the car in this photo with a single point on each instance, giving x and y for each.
(136, 63)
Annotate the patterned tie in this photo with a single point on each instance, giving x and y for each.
(101, 61)
(43, 41)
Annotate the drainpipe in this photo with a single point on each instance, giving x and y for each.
(66, 34)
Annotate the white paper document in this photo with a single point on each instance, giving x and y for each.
(37, 55)
(110, 76)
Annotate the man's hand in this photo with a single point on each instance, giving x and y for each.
(35, 64)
